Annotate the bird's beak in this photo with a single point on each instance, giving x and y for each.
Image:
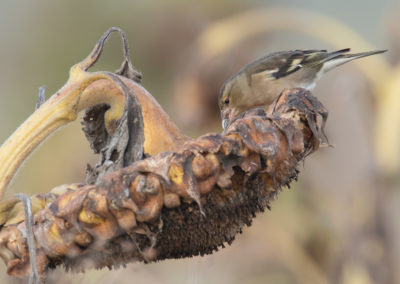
(225, 118)
(225, 123)
(227, 115)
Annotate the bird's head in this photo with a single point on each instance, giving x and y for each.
(225, 99)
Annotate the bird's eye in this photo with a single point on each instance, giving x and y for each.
(226, 101)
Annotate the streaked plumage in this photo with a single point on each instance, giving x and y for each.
(261, 81)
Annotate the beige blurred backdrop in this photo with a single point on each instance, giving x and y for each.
(338, 224)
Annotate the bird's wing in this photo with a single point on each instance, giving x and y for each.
(282, 64)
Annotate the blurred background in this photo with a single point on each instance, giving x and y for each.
(340, 223)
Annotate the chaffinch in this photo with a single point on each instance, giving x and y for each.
(261, 81)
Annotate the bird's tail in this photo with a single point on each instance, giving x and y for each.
(340, 57)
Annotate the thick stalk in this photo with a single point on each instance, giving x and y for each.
(60, 109)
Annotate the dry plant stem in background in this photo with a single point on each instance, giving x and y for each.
(188, 198)
(34, 273)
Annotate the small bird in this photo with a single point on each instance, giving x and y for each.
(261, 81)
